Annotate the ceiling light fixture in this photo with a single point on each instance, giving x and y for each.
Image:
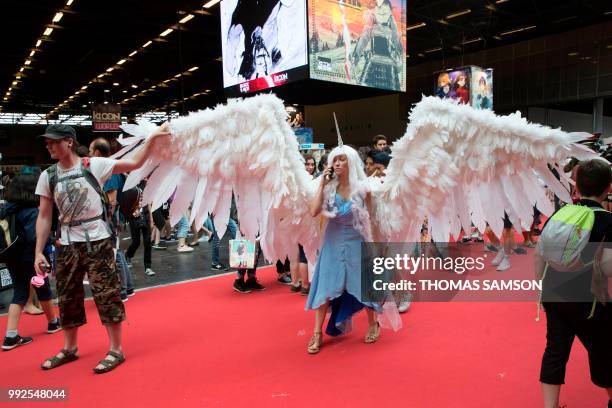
(133, 53)
(473, 40)
(28, 62)
(186, 18)
(415, 26)
(166, 32)
(111, 69)
(121, 61)
(84, 87)
(517, 30)
(134, 86)
(58, 16)
(433, 50)
(115, 83)
(147, 44)
(193, 69)
(501, 1)
(38, 43)
(32, 53)
(48, 31)
(21, 69)
(69, 3)
(458, 13)
(211, 3)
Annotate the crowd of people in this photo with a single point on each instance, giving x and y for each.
(71, 215)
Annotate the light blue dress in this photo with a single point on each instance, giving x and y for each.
(337, 276)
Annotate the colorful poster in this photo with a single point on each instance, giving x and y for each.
(454, 85)
(482, 88)
(242, 254)
(358, 42)
(261, 41)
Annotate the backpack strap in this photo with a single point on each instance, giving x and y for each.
(52, 178)
(93, 182)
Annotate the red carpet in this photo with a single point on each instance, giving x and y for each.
(201, 344)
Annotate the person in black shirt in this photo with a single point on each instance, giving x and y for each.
(568, 298)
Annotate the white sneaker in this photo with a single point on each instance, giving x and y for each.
(504, 264)
(498, 258)
(185, 248)
(149, 272)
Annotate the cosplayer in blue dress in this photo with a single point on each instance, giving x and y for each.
(337, 277)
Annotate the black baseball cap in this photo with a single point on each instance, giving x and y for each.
(379, 157)
(57, 132)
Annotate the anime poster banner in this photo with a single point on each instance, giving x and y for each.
(358, 42)
(469, 85)
(261, 40)
(481, 94)
(454, 85)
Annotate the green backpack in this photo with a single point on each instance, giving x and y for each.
(562, 241)
(565, 236)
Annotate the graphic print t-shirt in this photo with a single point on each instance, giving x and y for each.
(77, 200)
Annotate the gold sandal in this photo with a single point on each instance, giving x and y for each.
(373, 334)
(315, 343)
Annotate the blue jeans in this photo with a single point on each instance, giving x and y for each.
(182, 227)
(124, 272)
(232, 228)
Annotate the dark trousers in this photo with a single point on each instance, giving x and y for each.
(137, 228)
(564, 321)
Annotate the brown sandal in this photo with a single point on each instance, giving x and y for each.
(315, 343)
(56, 361)
(110, 365)
(373, 334)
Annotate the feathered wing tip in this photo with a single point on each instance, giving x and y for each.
(458, 165)
(245, 147)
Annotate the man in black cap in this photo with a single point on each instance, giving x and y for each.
(75, 185)
(381, 160)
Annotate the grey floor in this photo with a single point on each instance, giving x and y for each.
(169, 265)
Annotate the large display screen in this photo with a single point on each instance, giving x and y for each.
(358, 42)
(263, 41)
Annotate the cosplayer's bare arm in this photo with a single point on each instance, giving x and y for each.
(316, 204)
(158, 137)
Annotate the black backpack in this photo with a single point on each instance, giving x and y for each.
(10, 241)
(129, 202)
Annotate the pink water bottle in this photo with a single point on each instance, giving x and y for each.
(39, 280)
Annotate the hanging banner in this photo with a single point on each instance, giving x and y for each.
(358, 42)
(106, 118)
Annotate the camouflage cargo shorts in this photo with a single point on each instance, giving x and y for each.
(73, 261)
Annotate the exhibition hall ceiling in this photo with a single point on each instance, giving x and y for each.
(60, 56)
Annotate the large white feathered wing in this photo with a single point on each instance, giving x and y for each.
(245, 147)
(457, 165)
